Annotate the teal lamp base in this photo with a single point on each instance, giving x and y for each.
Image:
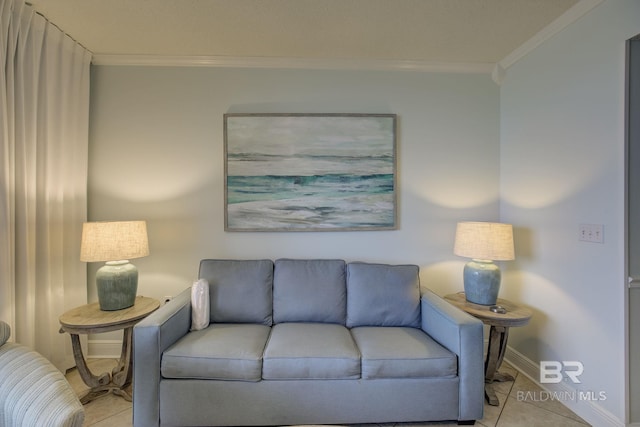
(481, 282)
(117, 283)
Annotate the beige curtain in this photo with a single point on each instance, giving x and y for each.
(44, 115)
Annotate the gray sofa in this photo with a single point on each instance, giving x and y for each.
(308, 342)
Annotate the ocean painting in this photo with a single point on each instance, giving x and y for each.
(310, 172)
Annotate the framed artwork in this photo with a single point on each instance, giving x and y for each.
(310, 172)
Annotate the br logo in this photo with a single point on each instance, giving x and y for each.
(552, 371)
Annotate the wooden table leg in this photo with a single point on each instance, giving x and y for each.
(498, 336)
(117, 381)
(99, 385)
(122, 373)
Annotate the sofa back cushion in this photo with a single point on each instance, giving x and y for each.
(309, 291)
(240, 291)
(383, 295)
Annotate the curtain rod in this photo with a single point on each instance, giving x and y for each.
(55, 25)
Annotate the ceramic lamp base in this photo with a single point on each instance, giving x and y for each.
(117, 283)
(481, 282)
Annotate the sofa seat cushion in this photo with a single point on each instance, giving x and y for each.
(219, 352)
(310, 351)
(402, 352)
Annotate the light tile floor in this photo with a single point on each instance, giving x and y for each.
(114, 411)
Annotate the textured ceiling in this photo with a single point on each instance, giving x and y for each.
(473, 31)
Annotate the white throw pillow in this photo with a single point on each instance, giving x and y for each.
(200, 305)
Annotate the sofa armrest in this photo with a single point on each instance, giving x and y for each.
(151, 337)
(33, 392)
(462, 334)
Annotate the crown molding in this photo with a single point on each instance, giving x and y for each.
(580, 9)
(563, 21)
(497, 71)
(291, 63)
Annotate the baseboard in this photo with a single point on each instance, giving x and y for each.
(104, 349)
(588, 409)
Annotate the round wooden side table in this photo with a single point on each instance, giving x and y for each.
(89, 319)
(499, 323)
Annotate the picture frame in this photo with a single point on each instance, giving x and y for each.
(310, 172)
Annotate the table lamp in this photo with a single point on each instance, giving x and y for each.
(483, 242)
(115, 242)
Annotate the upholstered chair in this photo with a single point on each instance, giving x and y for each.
(33, 392)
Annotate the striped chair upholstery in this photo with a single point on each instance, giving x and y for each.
(33, 392)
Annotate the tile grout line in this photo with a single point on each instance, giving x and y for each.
(504, 405)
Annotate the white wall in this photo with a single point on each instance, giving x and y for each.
(156, 153)
(549, 142)
(562, 164)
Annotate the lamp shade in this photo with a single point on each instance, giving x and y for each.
(113, 241)
(484, 240)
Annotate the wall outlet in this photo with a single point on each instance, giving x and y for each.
(593, 233)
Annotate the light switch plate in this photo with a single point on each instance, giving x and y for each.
(593, 233)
